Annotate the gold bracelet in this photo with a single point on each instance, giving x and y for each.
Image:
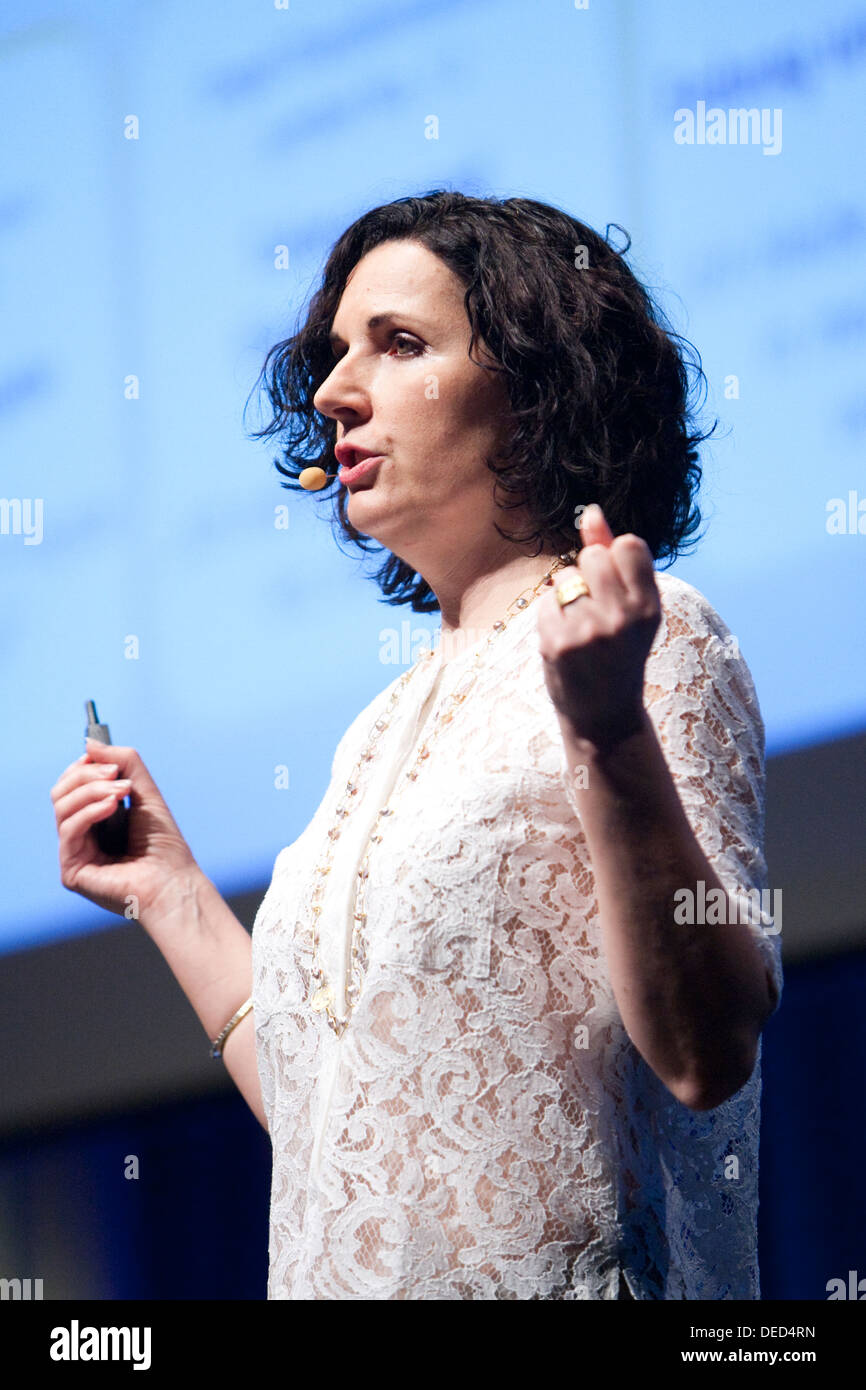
(216, 1048)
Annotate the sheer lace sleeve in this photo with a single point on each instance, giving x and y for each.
(688, 1181)
(702, 701)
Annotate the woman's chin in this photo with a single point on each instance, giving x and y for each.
(370, 515)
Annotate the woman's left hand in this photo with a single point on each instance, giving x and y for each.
(595, 648)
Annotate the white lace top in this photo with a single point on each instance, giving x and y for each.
(484, 1128)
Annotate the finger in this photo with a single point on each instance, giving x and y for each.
(601, 573)
(79, 773)
(551, 628)
(92, 791)
(99, 752)
(594, 529)
(129, 762)
(582, 617)
(633, 559)
(74, 830)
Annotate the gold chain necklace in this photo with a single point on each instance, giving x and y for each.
(322, 1000)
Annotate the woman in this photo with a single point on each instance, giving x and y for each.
(494, 1056)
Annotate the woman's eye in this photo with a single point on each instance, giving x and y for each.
(403, 339)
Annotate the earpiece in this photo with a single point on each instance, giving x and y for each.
(312, 479)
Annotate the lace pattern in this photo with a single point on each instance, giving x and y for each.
(485, 1129)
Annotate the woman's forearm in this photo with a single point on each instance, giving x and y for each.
(693, 998)
(210, 954)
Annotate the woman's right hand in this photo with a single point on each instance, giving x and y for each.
(88, 791)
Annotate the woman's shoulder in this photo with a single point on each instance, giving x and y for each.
(690, 623)
(695, 653)
(680, 598)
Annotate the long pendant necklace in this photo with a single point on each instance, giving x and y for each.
(322, 1000)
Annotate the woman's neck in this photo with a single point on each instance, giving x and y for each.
(471, 603)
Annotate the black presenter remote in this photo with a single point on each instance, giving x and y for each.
(112, 835)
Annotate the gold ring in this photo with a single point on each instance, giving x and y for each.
(571, 589)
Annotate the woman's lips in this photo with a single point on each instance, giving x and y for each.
(359, 470)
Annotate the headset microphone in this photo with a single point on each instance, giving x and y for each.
(312, 479)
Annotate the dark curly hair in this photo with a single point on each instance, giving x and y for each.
(599, 384)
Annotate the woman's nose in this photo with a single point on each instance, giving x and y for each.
(341, 390)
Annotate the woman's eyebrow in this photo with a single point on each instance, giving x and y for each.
(374, 321)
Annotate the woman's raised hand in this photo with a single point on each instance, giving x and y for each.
(88, 791)
(595, 648)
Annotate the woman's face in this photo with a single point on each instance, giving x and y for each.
(403, 386)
